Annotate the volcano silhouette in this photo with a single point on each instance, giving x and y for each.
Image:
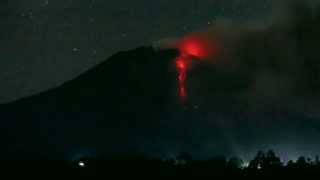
(102, 108)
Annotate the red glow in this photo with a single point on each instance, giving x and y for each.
(181, 64)
(182, 67)
(194, 49)
(198, 46)
(195, 46)
(183, 93)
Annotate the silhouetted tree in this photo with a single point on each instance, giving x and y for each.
(291, 164)
(317, 161)
(301, 162)
(258, 160)
(183, 158)
(235, 163)
(271, 160)
(309, 161)
(219, 162)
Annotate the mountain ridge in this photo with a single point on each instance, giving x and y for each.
(128, 90)
(102, 69)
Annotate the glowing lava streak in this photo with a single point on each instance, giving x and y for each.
(182, 66)
(193, 47)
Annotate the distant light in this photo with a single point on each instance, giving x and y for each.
(81, 164)
(259, 166)
(245, 165)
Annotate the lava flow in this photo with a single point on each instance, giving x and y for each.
(191, 48)
(182, 67)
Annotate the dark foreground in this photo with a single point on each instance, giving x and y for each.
(263, 166)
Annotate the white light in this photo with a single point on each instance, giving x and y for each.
(245, 165)
(259, 167)
(81, 164)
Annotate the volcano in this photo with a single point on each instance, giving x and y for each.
(126, 91)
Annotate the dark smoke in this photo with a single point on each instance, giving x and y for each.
(263, 89)
(274, 63)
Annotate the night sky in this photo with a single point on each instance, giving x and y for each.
(45, 43)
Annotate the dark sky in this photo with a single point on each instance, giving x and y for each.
(46, 42)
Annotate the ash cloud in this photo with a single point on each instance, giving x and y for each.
(263, 89)
(269, 64)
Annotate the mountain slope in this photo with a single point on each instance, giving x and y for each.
(101, 108)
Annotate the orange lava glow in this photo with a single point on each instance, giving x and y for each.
(198, 47)
(193, 47)
(182, 67)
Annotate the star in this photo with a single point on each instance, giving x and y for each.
(124, 34)
(91, 19)
(46, 3)
(75, 49)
